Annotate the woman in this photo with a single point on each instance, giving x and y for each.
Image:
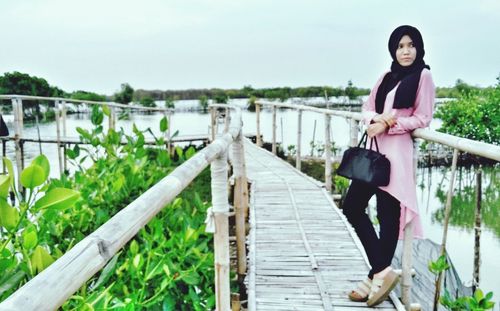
(401, 101)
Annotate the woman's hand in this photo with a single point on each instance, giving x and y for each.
(376, 128)
(385, 118)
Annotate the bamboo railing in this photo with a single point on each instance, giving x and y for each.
(457, 143)
(54, 285)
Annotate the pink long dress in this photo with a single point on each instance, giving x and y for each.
(397, 145)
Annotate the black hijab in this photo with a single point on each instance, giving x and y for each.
(408, 75)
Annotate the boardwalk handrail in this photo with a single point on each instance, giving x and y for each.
(81, 101)
(54, 285)
(489, 151)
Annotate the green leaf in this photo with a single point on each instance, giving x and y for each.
(4, 186)
(10, 171)
(84, 133)
(30, 237)
(179, 152)
(43, 162)
(108, 270)
(191, 278)
(96, 116)
(163, 124)
(168, 304)
(106, 110)
(40, 259)
(9, 216)
(32, 176)
(137, 261)
(58, 199)
(190, 152)
(10, 280)
(134, 247)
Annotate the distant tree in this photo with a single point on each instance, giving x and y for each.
(203, 100)
(221, 98)
(147, 102)
(125, 95)
(169, 102)
(251, 103)
(350, 90)
(90, 96)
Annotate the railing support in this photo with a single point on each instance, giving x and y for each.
(112, 118)
(445, 225)
(17, 109)
(328, 155)
(477, 233)
(213, 116)
(354, 130)
(298, 161)
(274, 130)
(58, 133)
(257, 113)
(221, 237)
(240, 204)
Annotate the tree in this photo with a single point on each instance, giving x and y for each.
(203, 100)
(125, 95)
(147, 102)
(169, 102)
(350, 90)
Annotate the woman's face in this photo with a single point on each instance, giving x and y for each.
(406, 52)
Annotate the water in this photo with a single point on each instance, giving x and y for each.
(432, 182)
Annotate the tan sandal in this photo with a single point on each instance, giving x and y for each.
(381, 288)
(360, 294)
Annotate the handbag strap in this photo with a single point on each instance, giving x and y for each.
(376, 144)
(363, 140)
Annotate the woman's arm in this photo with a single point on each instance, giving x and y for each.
(424, 107)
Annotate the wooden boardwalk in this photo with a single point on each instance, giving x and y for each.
(302, 254)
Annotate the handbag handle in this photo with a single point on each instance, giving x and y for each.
(364, 139)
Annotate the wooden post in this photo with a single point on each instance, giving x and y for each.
(298, 160)
(17, 110)
(63, 116)
(112, 118)
(58, 132)
(240, 205)
(274, 130)
(227, 120)
(257, 112)
(221, 237)
(235, 302)
(212, 121)
(354, 130)
(477, 233)
(445, 225)
(314, 138)
(328, 155)
(169, 132)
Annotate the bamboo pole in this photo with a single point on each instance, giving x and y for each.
(212, 121)
(239, 208)
(112, 118)
(17, 109)
(257, 113)
(227, 120)
(328, 155)
(169, 130)
(235, 302)
(298, 161)
(221, 237)
(58, 133)
(314, 138)
(274, 130)
(63, 117)
(477, 233)
(354, 130)
(445, 225)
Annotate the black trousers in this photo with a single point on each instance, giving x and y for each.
(379, 249)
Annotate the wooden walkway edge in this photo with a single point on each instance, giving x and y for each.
(302, 253)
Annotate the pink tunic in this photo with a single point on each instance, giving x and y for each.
(397, 145)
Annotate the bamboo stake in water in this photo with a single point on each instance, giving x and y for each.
(257, 114)
(58, 133)
(274, 130)
(328, 155)
(298, 160)
(445, 225)
(314, 138)
(17, 108)
(477, 233)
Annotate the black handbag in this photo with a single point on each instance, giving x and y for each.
(366, 165)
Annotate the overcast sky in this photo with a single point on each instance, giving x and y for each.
(96, 45)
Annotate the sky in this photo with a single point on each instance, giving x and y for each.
(95, 45)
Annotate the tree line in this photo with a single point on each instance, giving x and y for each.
(24, 84)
